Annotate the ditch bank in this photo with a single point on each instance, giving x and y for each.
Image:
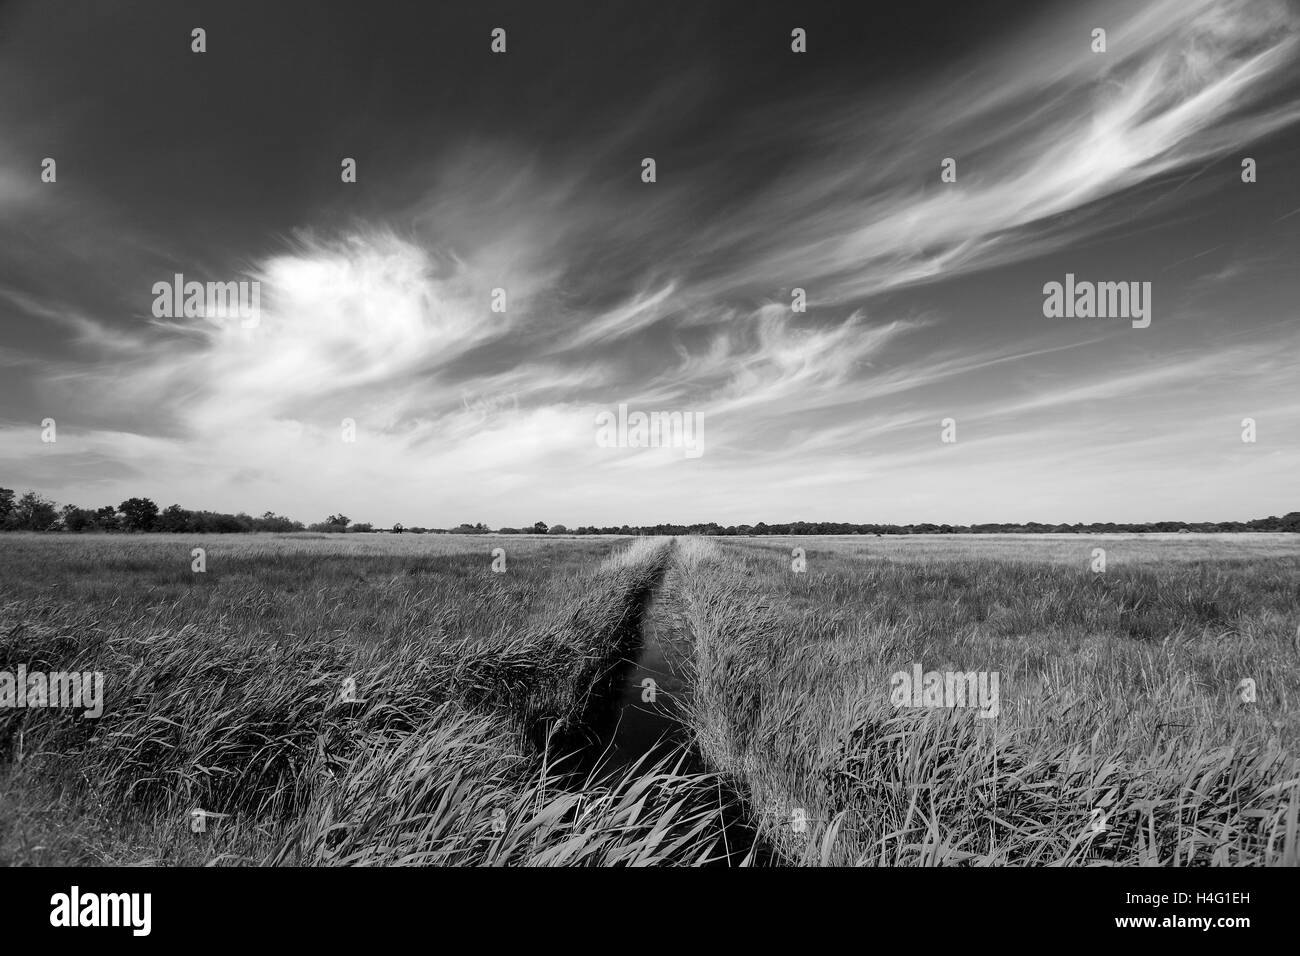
(635, 721)
(636, 716)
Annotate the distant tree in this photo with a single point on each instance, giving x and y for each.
(333, 523)
(6, 505)
(138, 514)
(558, 529)
(174, 519)
(34, 513)
(362, 526)
(225, 524)
(77, 519)
(397, 528)
(539, 527)
(106, 518)
(270, 521)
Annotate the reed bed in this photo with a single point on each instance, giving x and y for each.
(1120, 738)
(330, 701)
(261, 707)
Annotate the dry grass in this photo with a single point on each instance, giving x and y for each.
(1118, 703)
(226, 692)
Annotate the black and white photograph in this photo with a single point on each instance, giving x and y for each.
(725, 435)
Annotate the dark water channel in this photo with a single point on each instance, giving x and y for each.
(637, 717)
(640, 716)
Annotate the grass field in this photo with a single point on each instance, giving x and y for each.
(382, 699)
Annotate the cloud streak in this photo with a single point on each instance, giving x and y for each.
(644, 298)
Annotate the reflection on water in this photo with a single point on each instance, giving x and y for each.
(642, 721)
(636, 716)
(641, 717)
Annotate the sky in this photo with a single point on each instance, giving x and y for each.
(774, 170)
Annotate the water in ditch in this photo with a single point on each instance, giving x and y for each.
(638, 719)
(642, 717)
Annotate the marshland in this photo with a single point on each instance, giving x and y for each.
(374, 699)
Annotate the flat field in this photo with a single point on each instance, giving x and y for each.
(428, 699)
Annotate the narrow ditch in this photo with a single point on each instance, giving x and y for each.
(637, 715)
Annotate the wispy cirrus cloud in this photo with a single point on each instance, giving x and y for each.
(661, 300)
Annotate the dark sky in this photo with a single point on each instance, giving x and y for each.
(775, 170)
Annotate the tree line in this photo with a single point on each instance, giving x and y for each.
(33, 512)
